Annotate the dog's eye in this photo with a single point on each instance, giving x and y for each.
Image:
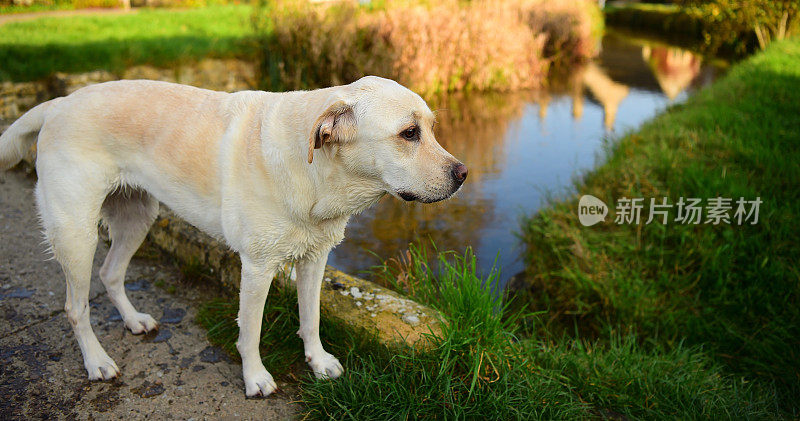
(410, 134)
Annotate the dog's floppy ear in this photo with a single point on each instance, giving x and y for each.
(336, 124)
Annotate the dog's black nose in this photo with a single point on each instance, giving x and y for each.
(459, 173)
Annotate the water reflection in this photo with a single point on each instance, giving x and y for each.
(520, 148)
(675, 69)
(606, 91)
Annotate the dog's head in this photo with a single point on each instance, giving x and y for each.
(383, 131)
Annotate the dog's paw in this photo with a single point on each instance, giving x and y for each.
(141, 323)
(259, 383)
(325, 366)
(101, 367)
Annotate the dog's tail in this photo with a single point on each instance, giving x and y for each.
(18, 138)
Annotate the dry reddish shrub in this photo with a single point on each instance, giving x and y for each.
(485, 45)
(448, 46)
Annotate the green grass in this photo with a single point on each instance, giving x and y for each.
(734, 290)
(484, 366)
(35, 49)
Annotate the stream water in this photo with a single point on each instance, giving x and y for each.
(524, 147)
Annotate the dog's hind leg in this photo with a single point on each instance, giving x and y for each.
(69, 199)
(128, 215)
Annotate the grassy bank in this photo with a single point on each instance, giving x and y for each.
(732, 290)
(35, 49)
(484, 365)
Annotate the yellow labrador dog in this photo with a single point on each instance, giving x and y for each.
(275, 175)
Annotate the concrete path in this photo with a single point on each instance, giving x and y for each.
(176, 374)
(19, 17)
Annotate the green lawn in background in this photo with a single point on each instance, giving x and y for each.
(35, 49)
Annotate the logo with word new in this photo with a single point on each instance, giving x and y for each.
(690, 210)
(591, 210)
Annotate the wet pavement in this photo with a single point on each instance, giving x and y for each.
(175, 373)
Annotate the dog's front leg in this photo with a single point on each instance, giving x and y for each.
(256, 279)
(309, 282)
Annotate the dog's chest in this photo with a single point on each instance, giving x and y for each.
(317, 237)
(292, 240)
